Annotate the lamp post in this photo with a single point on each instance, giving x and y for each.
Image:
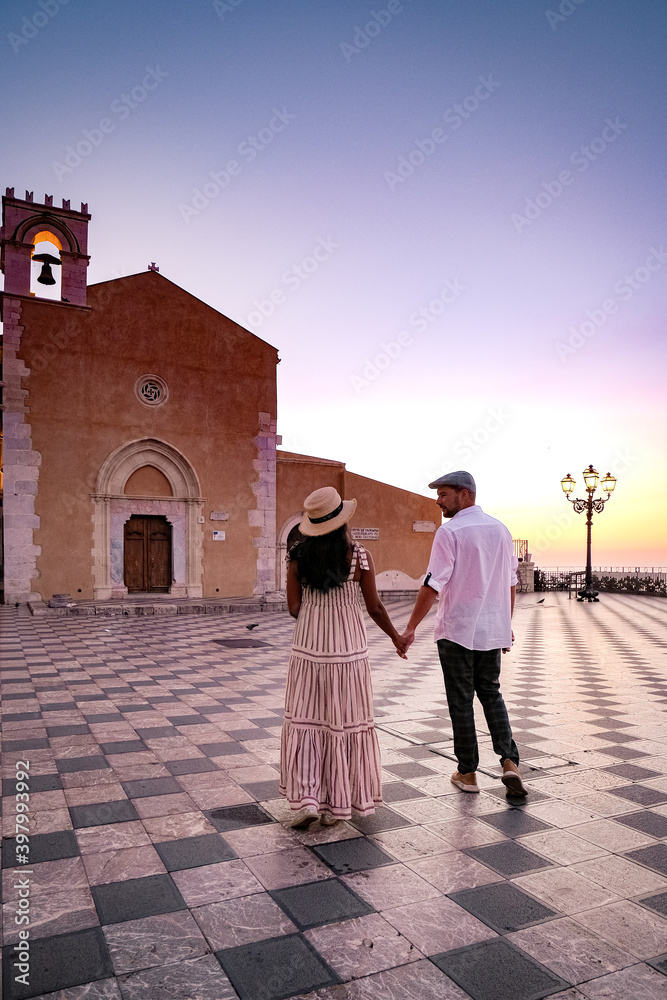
(591, 478)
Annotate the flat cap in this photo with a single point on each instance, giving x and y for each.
(462, 479)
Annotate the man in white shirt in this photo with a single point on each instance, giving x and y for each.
(472, 572)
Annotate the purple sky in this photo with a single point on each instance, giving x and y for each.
(449, 218)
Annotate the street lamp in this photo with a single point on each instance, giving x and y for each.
(591, 479)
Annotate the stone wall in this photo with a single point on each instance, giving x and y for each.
(21, 466)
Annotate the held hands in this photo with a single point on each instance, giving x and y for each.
(405, 640)
(401, 646)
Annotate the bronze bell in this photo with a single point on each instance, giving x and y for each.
(46, 260)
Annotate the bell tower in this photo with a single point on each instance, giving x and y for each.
(62, 235)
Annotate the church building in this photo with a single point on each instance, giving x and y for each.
(139, 438)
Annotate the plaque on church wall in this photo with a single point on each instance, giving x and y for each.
(218, 536)
(423, 525)
(219, 515)
(365, 534)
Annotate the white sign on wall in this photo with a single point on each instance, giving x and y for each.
(367, 534)
(218, 536)
(219, 515)
(423, 525)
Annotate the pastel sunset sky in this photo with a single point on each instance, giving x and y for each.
(448, 215)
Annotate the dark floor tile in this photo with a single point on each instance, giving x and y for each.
(246, 735)
(43, 847)
(614, 737)
(192, 852)
(262, 791)
(157, 732)
(514, 822)
(279, 967)
(612, 723)
(222, 749)
(104, 717)
(622, 752)
(355, 855)
(21, 716)
(398, 791)
(631, 771)
(437, 736)
(238, 817)
(640, 794)
(417, 753)
(508, 858)
(526, 752)
(657, 903)
(244, 643)
(186, 720)
(135, 898)
(192, 765)
(382, 819)
(76, 730)
(516, 801)
(15, 746)
(318, 903)
(659, 963)
(142, 787)
(123, 746)
(497, 970)
(411, 770)
(502, 906)
(266, 722)
(648, 822)
(125, 709)
(68, 765)
(160, 699)
(654, 857)
(57, 963)
(101, 813)
(38, 783)
(54, 706)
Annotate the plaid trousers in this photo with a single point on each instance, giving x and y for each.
(468, 672)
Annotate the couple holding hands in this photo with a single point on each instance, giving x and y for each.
(330, 758)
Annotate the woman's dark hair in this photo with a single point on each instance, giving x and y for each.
(323, 561)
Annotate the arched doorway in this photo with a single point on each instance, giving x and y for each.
(289, 534)
(147, 554)
(152, 482)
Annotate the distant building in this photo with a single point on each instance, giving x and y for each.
(139, 429)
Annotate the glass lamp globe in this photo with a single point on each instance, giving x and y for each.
(591, 478)
(608, 483)
(567, 482)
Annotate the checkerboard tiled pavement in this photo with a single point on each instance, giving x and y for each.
(160, 868)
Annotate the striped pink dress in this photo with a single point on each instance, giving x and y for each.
(330, 756)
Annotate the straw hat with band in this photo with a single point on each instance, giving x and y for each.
(324, 511)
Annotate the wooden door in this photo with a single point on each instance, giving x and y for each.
(147, 554)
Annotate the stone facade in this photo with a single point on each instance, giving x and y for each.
(21, 466)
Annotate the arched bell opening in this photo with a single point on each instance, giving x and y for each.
(46, 267)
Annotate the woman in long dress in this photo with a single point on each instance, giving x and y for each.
(330, 757)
